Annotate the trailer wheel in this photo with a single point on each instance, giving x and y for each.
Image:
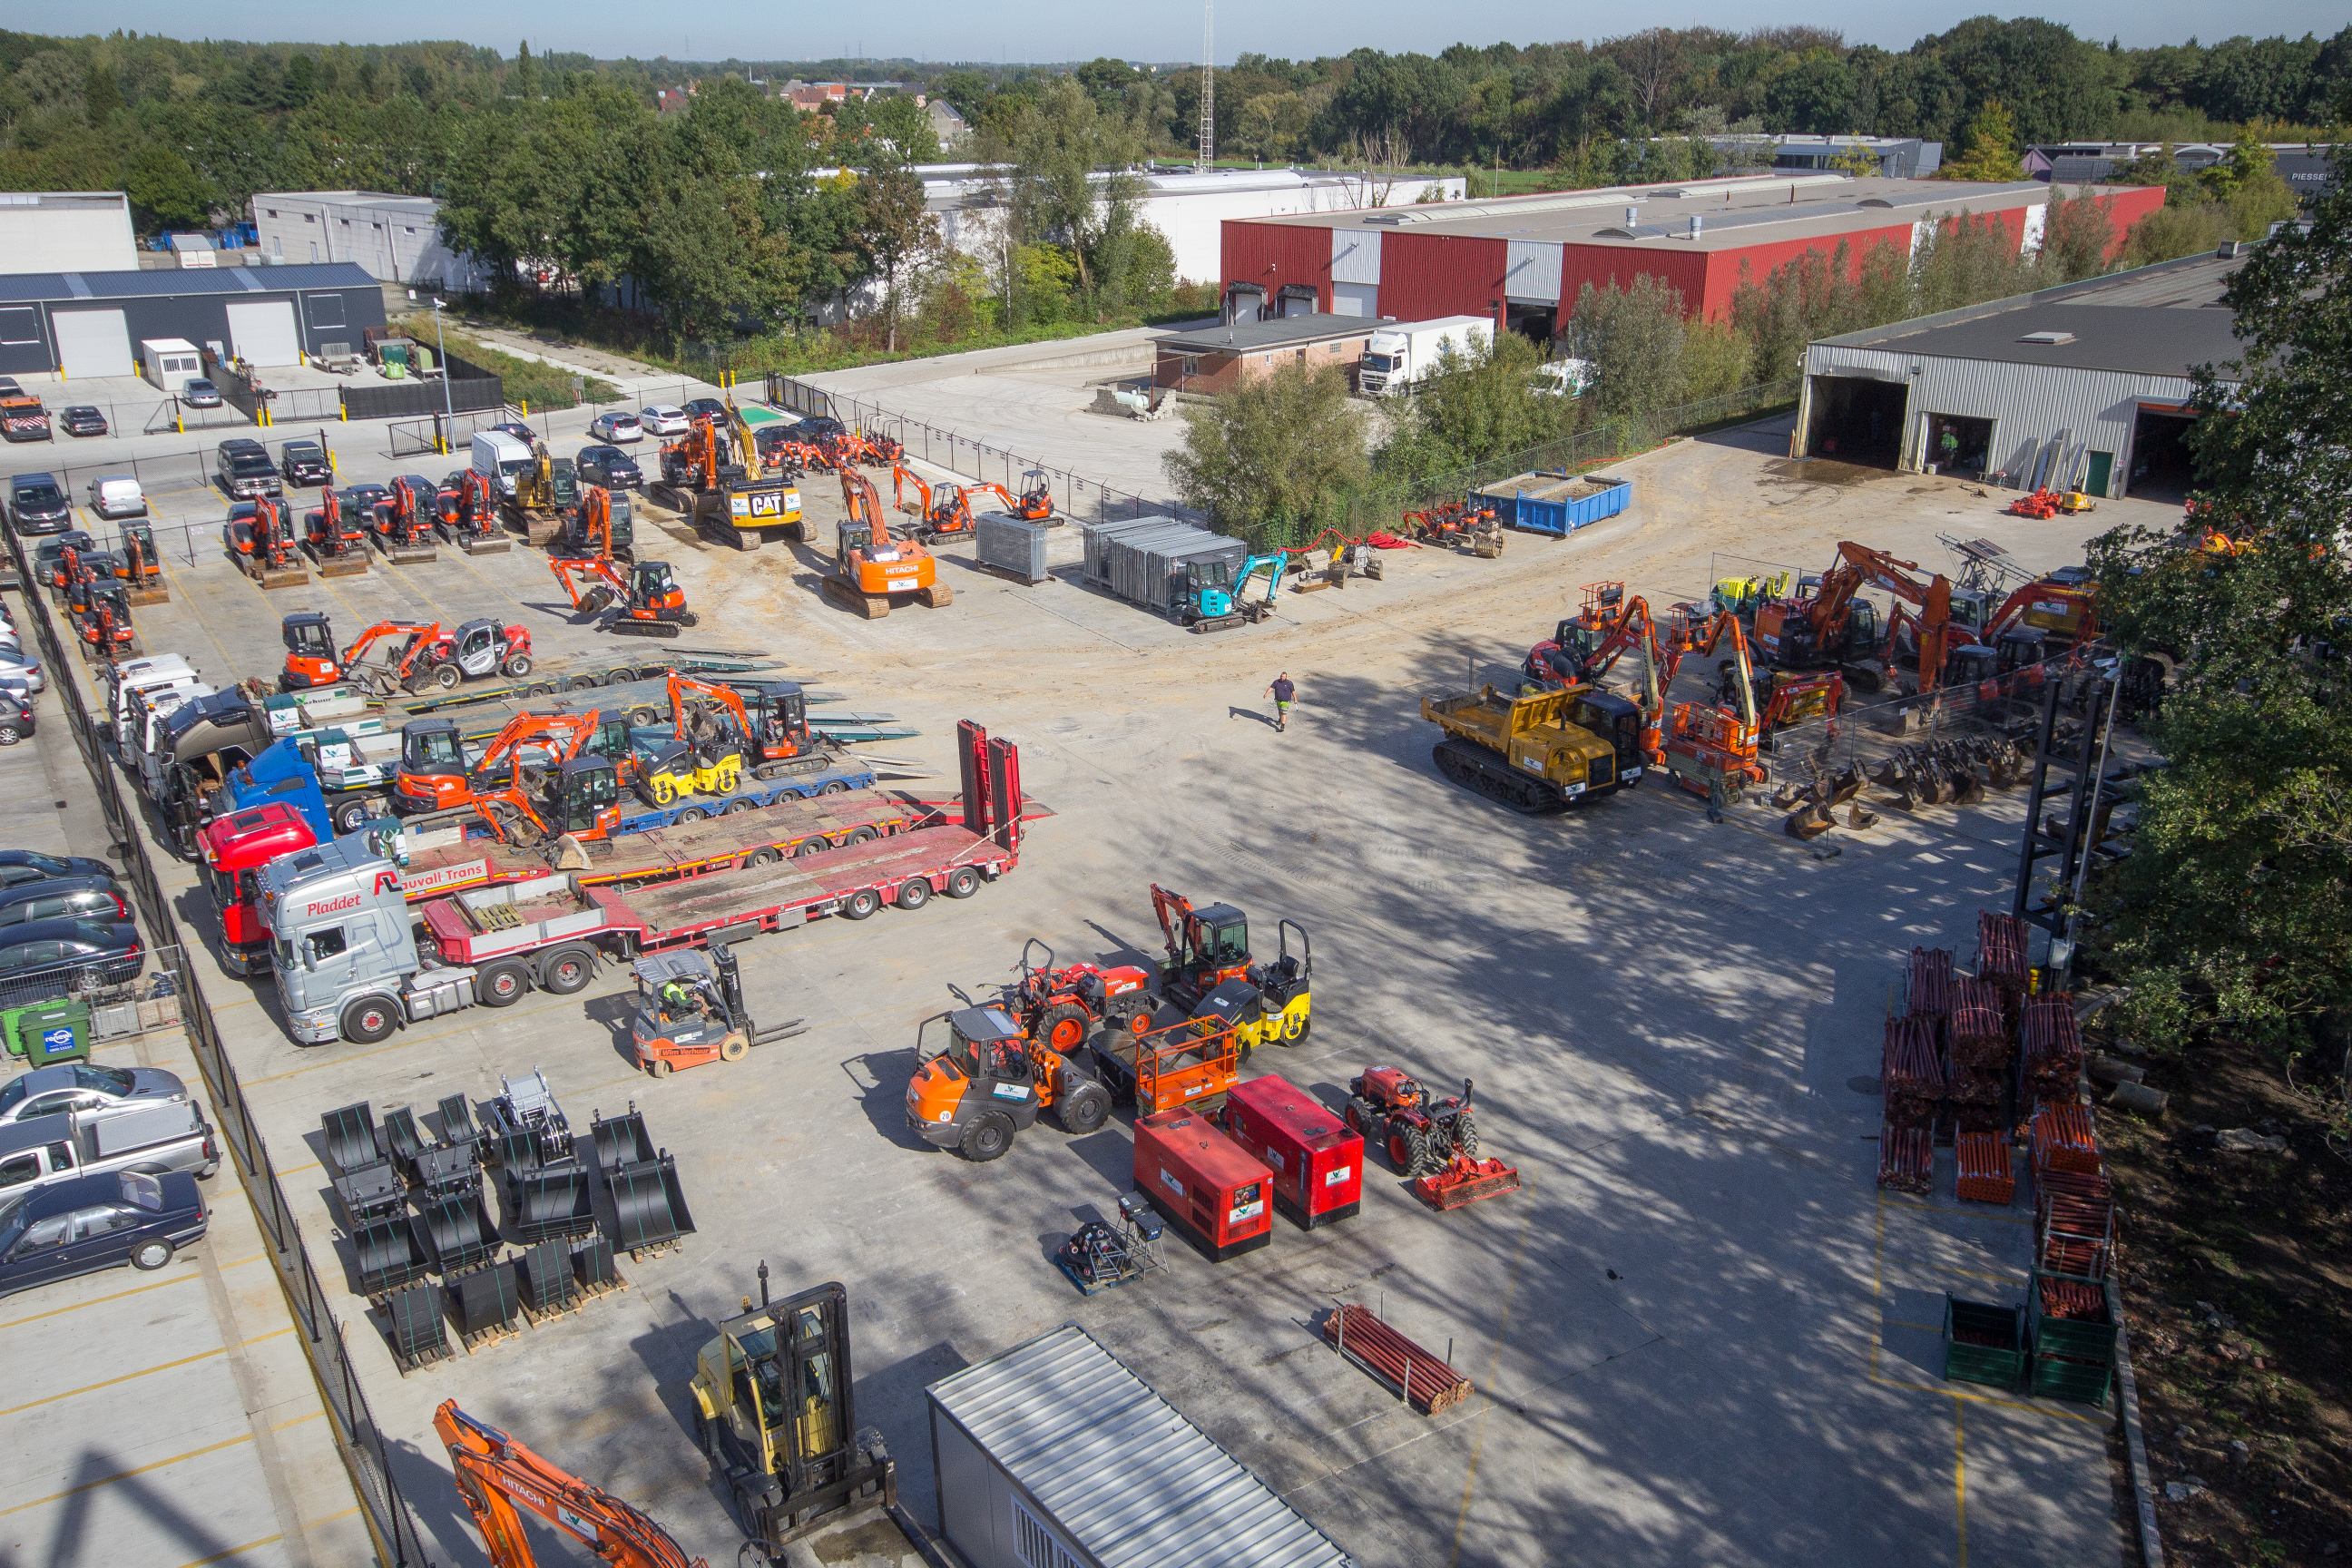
(861, 903)
(988, 1137)
(914, 893)
(862, 836)
(737, 808)
(642, 714)
(962, 883)
(835, 787)
(349, 813)
(369, 1020)
(692, 814)
(767, 857)
(567, 969)
(502, 985)
(808, 846)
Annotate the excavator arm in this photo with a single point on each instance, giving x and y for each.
(422, 634)
(498, 1477)
(1174, 911)
(574, 572)
(684, 686)
(564, 735)
(901, 477)
(863, 503)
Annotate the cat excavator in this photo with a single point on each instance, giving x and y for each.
(870, 567)
(647, 602)
(722, 482)
(498, 1477)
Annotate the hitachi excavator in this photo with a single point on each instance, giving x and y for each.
(869, 566)
(646, 603)
(498, 1477)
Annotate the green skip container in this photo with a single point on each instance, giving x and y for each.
(43, 1034)
(1984, 1342)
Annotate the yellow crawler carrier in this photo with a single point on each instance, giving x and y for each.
(1538, 752)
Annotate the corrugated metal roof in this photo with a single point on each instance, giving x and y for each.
(1120, 1470)
(156, 282)
(1279, 332)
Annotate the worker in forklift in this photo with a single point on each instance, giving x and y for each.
(680, 1001)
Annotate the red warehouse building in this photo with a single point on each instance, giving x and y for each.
(1521, 260)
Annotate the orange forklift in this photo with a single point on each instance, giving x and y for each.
(690, 1011)
(990, 1080)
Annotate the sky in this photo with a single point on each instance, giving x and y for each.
(1017, 30)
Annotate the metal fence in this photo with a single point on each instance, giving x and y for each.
(366, 1453)
(459, 385)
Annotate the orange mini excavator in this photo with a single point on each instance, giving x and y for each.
(494, 1474)
(334, 537)
(869, 567)
(939, 513)
(261, 541)
(645, 603)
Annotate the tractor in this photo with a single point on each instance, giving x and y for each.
(690, 1010)
(990, 1082)
(1421, 1135)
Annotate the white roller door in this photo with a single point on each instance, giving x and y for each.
(262, 332)
(93, 343)
(1355, 299)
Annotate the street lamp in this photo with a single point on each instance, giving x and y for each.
(441, 354)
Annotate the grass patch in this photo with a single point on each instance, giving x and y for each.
(526, 381)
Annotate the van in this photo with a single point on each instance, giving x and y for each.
(116, 495)
(500, 457)
(171, 1135)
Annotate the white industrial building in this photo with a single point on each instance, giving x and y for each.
(2083, 387)
(395, 239)
(1189, 208)
(66, 231)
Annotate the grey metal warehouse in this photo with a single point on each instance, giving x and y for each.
(2085, 386)
(92, 324)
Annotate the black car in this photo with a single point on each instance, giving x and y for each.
(63, 898)
(38, 504)
(518, 430)
(241, 465)
(81, 420)
(609, 466)
(84, 1224)
(304, 463)
(37, 956)
(18, 867)
(706, 408)
(815, 428)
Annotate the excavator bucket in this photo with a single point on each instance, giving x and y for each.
(1463, 1180)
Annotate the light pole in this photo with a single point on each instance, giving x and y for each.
(441, 356)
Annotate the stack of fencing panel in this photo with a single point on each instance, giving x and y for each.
(1147, 562)
(1002, 542)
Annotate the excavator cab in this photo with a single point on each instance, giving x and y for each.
(1205, 946)
(774, 1413)
(654, 586)
(586, 797)
(1616, 721)
(1036, 501)
(311, 657)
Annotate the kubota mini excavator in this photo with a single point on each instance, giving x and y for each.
(403, 524)
(262, 541)
(101, 626)
(774, 1408)
(943, 514)
(333, 535)
(647, 602)
(138, 566)
(869, 567)
(472, 522)
(601, 529)
(766, 722)
(498, 1477)
(580, 799)
(436, 775)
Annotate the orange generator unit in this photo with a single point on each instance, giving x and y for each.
(1317, 1159)
(1204, 1182)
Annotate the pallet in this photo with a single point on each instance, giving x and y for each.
(654, 1249)
(539, 1317)
(583, 1294)
(483, 1338)
(406, 1365)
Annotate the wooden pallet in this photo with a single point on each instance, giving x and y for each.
(483, 1338)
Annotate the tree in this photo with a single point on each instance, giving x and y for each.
(2170, 232)
(526, 71)
(1633, 339)
(1053, 193)
(2229, 913)
(2077, 232)
(2247, 183)
(1992, 148)
(895, 232)
(102, 99)
(1273, 453)
(165, 192)
(1479, 404)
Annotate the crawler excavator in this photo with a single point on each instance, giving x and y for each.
(944, 513)
(436, 775)
(545, 493)
(471, 520)
(730, 493)
(138, 566)
(335, 536)
(403, 524)
(498, 1477)
(601, 527)
(647, 602)
(765, 722)
(869, 567)
(260, 539)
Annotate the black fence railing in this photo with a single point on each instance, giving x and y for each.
(365, 1450)
(460, 385)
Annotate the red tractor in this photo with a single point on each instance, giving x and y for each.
(1059, 1006)
(1394, 1112)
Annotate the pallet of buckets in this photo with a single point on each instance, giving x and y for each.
(424, 1249)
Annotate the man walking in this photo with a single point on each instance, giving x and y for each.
(1283, 692)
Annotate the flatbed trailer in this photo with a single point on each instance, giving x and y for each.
(546, 677)
(639, 816)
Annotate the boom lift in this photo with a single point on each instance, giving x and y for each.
(647, 602)
(403, 524)
(261, 541)
(420, 654)
(333, 535)
(869, 566)
(774, 1410)
(494, 1474)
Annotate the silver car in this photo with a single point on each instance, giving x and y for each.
(86, 1088)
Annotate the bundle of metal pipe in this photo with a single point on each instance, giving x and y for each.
(1428, 1384)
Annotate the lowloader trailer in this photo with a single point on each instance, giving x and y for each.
(349, 965)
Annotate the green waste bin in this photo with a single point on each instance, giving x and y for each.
(57, 1030)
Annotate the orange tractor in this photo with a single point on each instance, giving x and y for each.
(869, 566)
(645, 603)
(334, 536)
(1434, 1141)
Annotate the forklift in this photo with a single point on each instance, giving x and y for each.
(990, 1082)
(774, 1413)
(690, 1010)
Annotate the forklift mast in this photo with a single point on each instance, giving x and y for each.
(729, 972)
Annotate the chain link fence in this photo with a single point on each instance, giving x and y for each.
(365, 1450)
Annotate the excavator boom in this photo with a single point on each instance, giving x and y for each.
(498, 1477)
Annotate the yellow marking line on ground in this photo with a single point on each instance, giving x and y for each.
(1960, 1486)
(1963, 1213)
(230, 1551)
(297, 1420)
(143, 1372)
(125, 1475)
(119, 1295)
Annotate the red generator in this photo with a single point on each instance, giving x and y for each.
(1317, 1159)
(1204, 1182)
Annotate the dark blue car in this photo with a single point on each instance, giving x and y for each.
(89, 1223)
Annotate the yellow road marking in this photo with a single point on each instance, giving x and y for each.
(145, 1372)
(227, 1552)
(126, 1475)
(119, 1295)
(1960, 1486)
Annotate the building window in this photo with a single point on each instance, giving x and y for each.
(412, 228)
(1191, 366)
(1302, 356)
(309, 217)
(1037, 1546)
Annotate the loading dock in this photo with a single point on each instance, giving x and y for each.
(1857, 419)
(2162, 465)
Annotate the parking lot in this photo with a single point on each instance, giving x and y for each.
(1698, 1335)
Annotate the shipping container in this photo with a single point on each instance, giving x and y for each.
(1207, 1186)
(1054, 1455)
(1317, 1159)
(1010, 545)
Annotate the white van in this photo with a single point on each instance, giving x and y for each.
(115, 496)
(499, 458)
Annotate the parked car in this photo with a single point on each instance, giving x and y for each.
(15, 710)
(304, 463)
(241, 465)
(706, 408)
(518, 430)
(38, 504)
(197, 391)
(18, 867)
(662, 420)
(86, 897)
(86, 1088)
(113, 496)
(8, 385)
(21, 675)
(609, 466)
(82, 420)
(92, 1223)
(616, 427)
(164, 1135)
(815, 428)
(94, 952)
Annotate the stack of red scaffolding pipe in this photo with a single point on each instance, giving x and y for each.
(2051, 1065)
(2074, 1223)
(1979, 1032)
(2078, 1301)
(1928, 988)
(1910, 1071)
(1906, 1159)
(2063, 1139)
(1986, 1174)
(1428, 1384)
(2001, 950)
